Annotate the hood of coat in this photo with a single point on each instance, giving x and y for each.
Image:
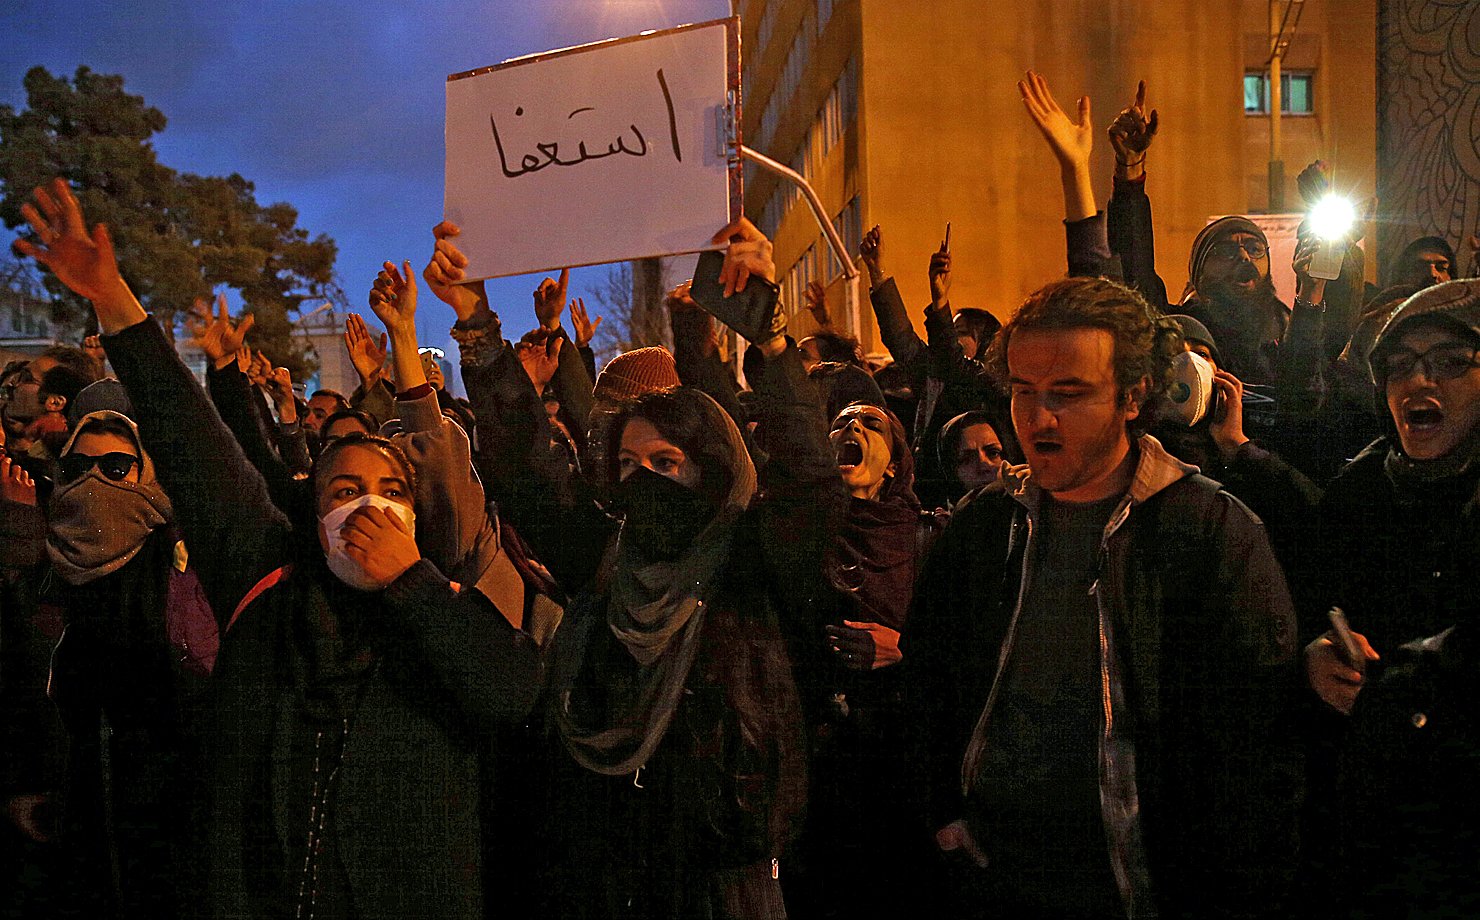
(1155, 470)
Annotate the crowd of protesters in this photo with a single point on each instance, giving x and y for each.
(1128, 607)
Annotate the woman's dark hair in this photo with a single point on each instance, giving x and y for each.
(359, 416)
(374, 442)
(686, 417)
(980, 325)
(948, 442)
(899, 451)
(834, 346)
(1145, 341)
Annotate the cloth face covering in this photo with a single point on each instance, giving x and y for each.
(344, 568)
(663, 516)
(97, 525)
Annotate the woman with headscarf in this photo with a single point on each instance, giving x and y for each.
(855, 851)
(128, 674)
(358, 692)
(671, 687)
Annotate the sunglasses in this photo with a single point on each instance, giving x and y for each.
(1444, 362)
(1227, 250)
(115, 465)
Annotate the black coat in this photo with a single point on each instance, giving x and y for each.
(428, 673)
(1203, 639)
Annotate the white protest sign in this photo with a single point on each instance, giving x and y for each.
(598, 153)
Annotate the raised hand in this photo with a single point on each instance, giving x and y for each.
(1131, 134)
(15, 483)
(871, 251)
(365, 352)
(1308, 289)
(539, 354)
(549, 300)
(1070, 141)
(82, 261)
(680, 300)
(280, 385)
(749, 254)
(446, 278)
(582, 324)
(1314, 182)
(260, 369)
(393, 297)
(816, 295)
(217, 336)
(940, 277)
(93, 346)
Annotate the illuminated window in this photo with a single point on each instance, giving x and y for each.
(1297, 93)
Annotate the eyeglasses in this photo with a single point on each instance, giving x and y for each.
(115, 465)
(1443, 362)
(1228, 250)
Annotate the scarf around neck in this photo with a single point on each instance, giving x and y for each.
(655, 610)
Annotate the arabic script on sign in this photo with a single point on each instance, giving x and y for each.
(629, 142)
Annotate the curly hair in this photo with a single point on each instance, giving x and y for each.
(1145, 341)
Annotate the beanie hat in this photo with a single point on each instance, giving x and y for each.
(107, 394)
(1453, 303)
(1212, 233)
(1195, 331)
(636, 373)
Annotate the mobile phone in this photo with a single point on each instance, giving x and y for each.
(751, 312)
(1345, 640)
(1326, 263)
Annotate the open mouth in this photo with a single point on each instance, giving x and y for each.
(1423, 418)
(849, 453)
(1047, 447)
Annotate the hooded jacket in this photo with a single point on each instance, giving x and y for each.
(1198, 771)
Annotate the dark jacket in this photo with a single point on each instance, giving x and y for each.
(412, 681)
(1410, 828)
(1199, 778)
(721, 796)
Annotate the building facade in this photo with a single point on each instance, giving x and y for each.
(907, 115)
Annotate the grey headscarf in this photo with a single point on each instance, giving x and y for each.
(95, 526)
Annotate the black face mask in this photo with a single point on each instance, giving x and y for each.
(663, 516)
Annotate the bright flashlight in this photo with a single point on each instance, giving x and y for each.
(1332, 217)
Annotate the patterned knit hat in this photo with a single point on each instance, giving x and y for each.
(635, 373)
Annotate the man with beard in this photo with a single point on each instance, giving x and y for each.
(1229, 289)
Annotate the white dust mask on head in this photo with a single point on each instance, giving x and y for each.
(345, 568)
(1190, 395)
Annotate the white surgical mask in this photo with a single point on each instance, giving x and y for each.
(347, 569)
(1190, 395)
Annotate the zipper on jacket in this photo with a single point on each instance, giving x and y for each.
(979, 733)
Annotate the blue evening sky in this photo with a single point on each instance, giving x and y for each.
(335, 106)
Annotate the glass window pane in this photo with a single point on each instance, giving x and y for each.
(1254, 93)
(1299, 94)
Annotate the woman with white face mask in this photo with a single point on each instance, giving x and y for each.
(358, 690)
